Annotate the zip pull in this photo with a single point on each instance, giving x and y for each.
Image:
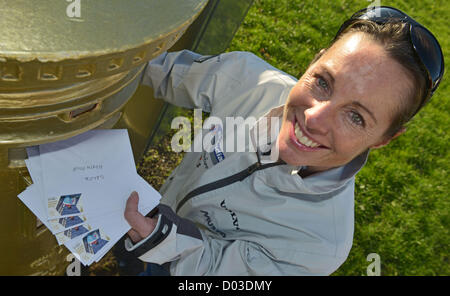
(251, 169)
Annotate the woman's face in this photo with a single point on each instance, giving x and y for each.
(342, 105)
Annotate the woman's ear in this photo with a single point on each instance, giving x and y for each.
(385, 142)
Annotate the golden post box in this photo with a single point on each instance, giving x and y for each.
(67, 67)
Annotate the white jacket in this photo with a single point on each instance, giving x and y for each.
(224, 213)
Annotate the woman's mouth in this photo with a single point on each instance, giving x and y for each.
(302, 141)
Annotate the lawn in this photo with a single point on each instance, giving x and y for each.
(401, 202)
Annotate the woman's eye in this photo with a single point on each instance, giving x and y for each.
(356, 118)
(322, 83)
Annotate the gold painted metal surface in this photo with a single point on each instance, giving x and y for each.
(61, 76)
(135, 118)
(42, 45)
(56, 123)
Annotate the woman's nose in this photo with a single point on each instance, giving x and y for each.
(318, 118)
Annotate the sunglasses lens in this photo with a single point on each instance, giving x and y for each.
(425, 44)
(429, 52)
(379, 14)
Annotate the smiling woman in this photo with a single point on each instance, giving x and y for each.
(293, 214)
(350, 85)
(344, 103)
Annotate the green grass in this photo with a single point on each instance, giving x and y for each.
(401, 203)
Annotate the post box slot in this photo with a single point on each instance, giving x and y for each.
(75, 113)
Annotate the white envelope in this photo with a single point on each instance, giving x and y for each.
(96, 238)
(63, 224)
(34, 167)
(62, 168)
(110, 231)
(32, 198)
(83, 164)
(112, 223)
(148, 199)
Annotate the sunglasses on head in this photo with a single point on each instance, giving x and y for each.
(425, 45)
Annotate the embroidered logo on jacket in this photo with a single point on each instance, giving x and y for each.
(217, 153)
(233, 215)
(211, 225)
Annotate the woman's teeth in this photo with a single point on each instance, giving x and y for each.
(303, 139)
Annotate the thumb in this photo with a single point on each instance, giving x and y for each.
(142, 225)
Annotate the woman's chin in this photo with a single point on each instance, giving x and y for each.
(289, 155)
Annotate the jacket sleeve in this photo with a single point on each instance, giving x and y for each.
(191, 251)
(187, 79)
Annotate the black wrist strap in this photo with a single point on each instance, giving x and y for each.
(165, 226)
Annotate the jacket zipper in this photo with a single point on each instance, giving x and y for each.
(240, 176)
